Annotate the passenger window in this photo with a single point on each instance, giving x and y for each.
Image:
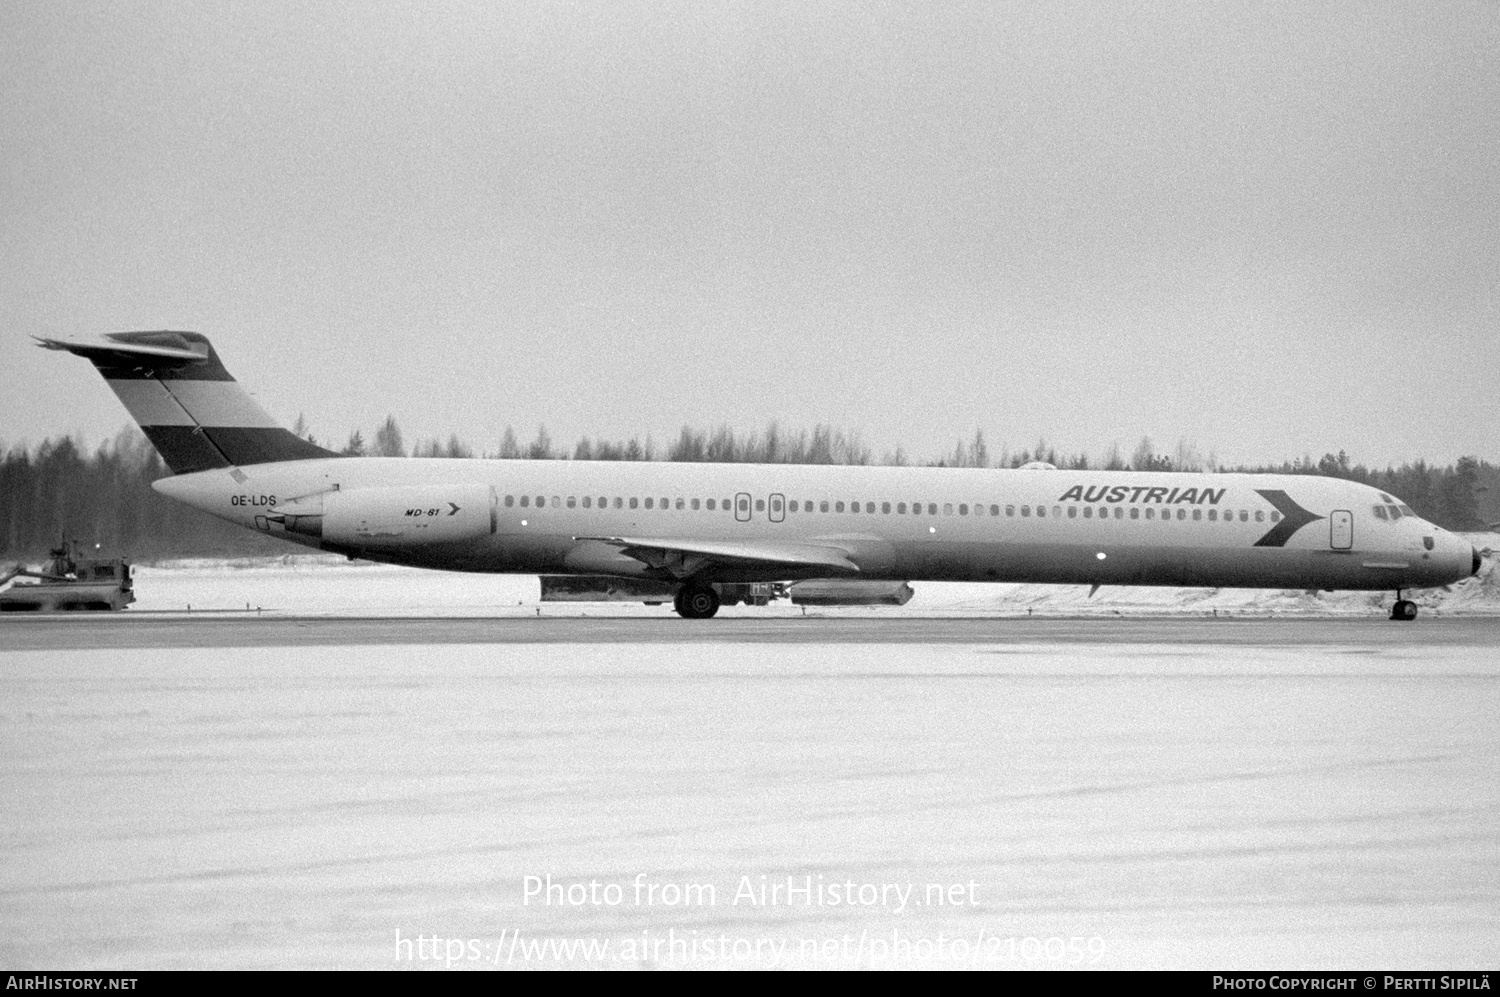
(724, 504)
(510, 500)
(823, 506)
(947, 508)
(1213, 515)
(838, 507)
(994, 510)
(619, 503)
(901, 508)
(648, 502)
(1010, 510)
(1119, 513)
(1182, 514)
(1260, 516)
(572, 502)
(869, 508)
(760, 505)
(664, 504)
(588, 502)
(1088, 512)
(1072, 512)
(1197, 513)
(679, 504)
(556, 502)
(963, 509)
(1150, 513)
(932, 508)
(709, 505)
(695, 505)
(541, 501)
(634, 502)
(1275, 517)
(885, 507)
(1057, 510)
(525, 501)
(1041, 510)
(1135, 513)
(791, 506)
(603, 502)
(1244, 516)
(1026, 510)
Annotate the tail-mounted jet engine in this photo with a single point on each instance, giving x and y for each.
(389, 517)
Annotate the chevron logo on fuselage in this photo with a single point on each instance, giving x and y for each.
(1293, 518)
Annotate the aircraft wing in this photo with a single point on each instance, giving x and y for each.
(686, 557)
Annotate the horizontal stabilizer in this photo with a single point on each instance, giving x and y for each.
(154, 352)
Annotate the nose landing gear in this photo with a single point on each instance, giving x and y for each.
(1404, 609)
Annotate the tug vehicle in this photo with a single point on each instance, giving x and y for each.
(67, 582)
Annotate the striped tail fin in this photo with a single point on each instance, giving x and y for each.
(196, 415)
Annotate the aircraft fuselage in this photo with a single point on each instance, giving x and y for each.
(909, 523)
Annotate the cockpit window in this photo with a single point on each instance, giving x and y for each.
(1394, 512)
(1406, 509)
(1380, 512)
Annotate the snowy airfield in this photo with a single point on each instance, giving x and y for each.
(328, 585)
(1303, 784)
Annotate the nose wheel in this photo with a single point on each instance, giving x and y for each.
(1404, 609)
(696, 602)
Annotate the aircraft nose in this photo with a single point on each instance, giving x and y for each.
(1478, 560)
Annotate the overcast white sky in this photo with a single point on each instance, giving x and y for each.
(1269, 228)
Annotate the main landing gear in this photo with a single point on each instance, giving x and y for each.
(696, 601)
(1404, 609)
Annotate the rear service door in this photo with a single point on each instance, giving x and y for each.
(778, 508)
(742, 507)
(1341, 529)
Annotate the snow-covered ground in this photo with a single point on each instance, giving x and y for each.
(1113, 805)
(328, 585)
(1122, 804)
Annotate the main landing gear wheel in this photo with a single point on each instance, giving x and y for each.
(1404, 609)
(696, 602)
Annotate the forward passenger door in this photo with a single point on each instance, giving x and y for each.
(1341, 529)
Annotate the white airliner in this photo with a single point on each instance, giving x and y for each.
(698, 525)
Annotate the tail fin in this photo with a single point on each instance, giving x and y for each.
(196, 415)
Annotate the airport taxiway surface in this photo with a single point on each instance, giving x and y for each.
(125, 630)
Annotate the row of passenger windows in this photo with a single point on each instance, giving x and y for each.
(900, 508)
(541, 502)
